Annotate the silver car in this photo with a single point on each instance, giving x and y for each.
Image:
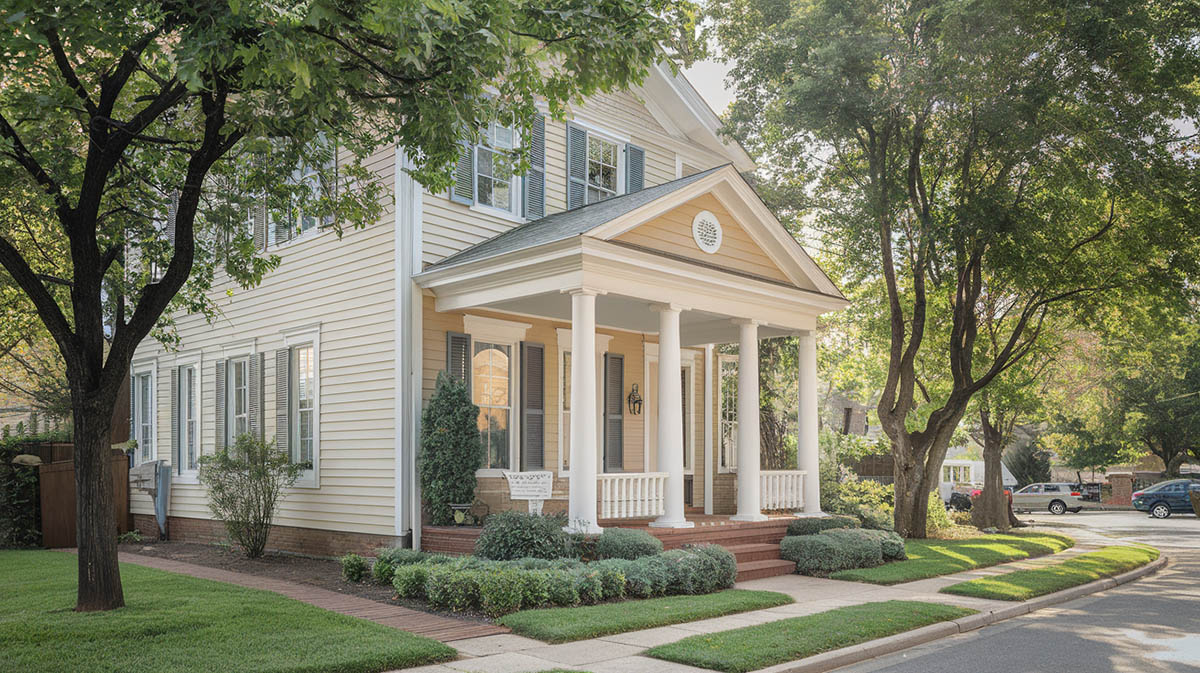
(1057, 498)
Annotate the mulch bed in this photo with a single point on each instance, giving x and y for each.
(323, 573)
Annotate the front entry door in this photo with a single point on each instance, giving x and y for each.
(651, 410)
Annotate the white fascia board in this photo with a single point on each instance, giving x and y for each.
(553, 251)
(677, 97)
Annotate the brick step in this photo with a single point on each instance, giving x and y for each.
(756, 570)
(763, 551)
(726, 538)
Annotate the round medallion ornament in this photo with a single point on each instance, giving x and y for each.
(706, 231)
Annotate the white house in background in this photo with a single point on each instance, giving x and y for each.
(631, 248)
(961, 472)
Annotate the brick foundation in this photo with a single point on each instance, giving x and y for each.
(283, 538)
(1122, 489)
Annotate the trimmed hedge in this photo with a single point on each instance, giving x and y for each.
(833, 550)
(626, 543)
(890, 543)
(513, 535)
(354, 567)
(816, 524)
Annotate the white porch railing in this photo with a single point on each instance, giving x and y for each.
(632, 495)
(781, 489)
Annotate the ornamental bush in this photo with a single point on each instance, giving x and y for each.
(450, 449)
(449, 587)
(937, 520)
(409, 580)
(612, 577)
(500, 591)
(890, 544)
(588, 585)
(811, 525)
(245, 483)
(561, 588)
(514, 535)
(626, 543)
(354, 567)
(535, 588)
(726, 563)
(689, 572)
(400, 556)
(832, 550)
(647, 577)
(876, 518)
(382, 571)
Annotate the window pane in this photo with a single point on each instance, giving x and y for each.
(493, 431)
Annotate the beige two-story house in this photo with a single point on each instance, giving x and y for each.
(582, 302)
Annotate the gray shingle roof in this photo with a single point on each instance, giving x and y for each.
(568, 223)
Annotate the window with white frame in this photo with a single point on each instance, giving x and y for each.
(564, 441)
(727, 388)
(188, 431)
(956, 473)
(237, 400)
(603, 159)
(303, 382)
(315, 179)
(495, 181)
(142, 412)
(491, 389)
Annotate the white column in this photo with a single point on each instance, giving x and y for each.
(709, 466)
(808, 452)
(670, 417)
(748, 501)
(581, 510)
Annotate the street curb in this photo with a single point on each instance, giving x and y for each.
(827, 661)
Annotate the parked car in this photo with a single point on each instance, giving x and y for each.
(1166, 498)
(976, 492)
(1057, 498)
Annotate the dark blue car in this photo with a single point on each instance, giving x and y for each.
(1166, 498)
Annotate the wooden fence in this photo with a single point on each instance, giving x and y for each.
(57, 486)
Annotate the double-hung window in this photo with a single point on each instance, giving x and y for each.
(237, 400)
(603, 157)
(485, 176)
(188, 418)
(727, 389)
(302, 399)
(491, 387)
(142, 413)
(599, 166)
(495, 181)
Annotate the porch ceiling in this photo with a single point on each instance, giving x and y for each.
(635, 315)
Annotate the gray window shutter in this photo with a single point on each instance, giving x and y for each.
(463, 190)
(683, 383)
(535, 180)
(614, 418)
(175, 419)
(259, 222)
(132, 403)
(283, 400)
(282, 226)
(576, 166)
(256, 394)
(533, 405)
(635, 168)
(458, 357)
(221, 393)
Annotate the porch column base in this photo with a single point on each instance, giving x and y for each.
(660, 523)
(583, 528)
(810, 515)
(748, 517)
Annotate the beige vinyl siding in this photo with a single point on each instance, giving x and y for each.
(449, 227)
(347, 287)
(672, 233)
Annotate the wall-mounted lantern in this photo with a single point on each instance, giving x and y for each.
(635, 401)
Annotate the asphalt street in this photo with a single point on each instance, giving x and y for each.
(1146, 626)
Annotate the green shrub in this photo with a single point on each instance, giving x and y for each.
(451, 587)
(500, 591)
(588, 585)
(382, 571)
(876, 518)
(811, 525)
(832, 550)
(647, 577)
(937, 520)
(245, 483)
(612, 577)
(581, 546)
(561, 588)
(409, 580)
(626, 543)
(450, 449)
(726, 563)
(401, 556)
(354, 568)
(513, 535)
(689, 572)
(535, 588)
(891, 545)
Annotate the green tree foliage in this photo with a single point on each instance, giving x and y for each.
(450, 449)
(244, 484)
(1029, 463)
(951, 156)
(148, 133)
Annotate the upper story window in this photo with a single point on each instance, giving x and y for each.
(603, 163)
(495, 181)
(599, 166)
(485, 177)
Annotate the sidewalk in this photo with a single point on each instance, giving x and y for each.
(621, 653)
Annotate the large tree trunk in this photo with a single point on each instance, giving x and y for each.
(991, 509)
(96, 536)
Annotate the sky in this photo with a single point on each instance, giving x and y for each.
(708, 77)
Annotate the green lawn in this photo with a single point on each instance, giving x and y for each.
(178, 623)
(560, 625)
(755, 647)
(1021, 585)
(931, 558)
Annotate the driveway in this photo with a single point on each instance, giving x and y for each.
(1147, 626)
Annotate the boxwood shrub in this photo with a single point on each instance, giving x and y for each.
(726, 562)
(626, 543)
(452, 587)
(409, 580)
(647, 577)
(354, 567)
(382, 571)
(513, 535)
(832, 550)
(890, 543)
(612, 577)
(811, 525)
(500, 591)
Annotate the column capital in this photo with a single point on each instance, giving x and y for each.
(745, 322)
(668, 308)
(584, 291)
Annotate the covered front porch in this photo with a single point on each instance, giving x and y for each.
(650, 284)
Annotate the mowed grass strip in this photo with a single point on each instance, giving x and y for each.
(560, 625)
(174, 622)
(754, 647)
(932, 558)
(1021, 585)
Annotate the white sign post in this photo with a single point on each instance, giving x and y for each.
(536, 487)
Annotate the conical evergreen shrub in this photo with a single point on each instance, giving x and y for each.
(450, 449)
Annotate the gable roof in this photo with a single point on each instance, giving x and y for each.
(612, 217)
(568, 223)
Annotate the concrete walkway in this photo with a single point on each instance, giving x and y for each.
(622, 653)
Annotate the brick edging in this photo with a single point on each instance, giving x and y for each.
(854, 654)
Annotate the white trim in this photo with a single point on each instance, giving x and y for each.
(723, 357)
(195, 359)
(687, 360)
(505, 333)
(564, 346)
(678, 165)
(709, 465)
(584, 122)
(409, 343)
(146, 366)
(298, 337)
(239, 348)
(494, 330)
